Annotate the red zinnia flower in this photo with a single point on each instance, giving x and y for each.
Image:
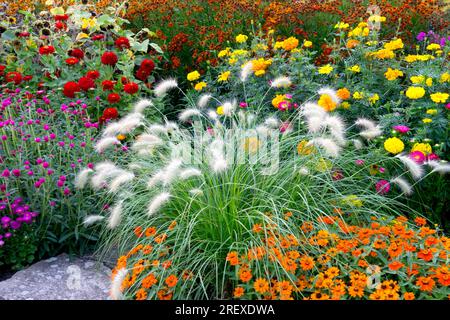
(122, 42)
(113, 98)
(93, 74)
(27, 78)
(77, 53)
(60, 25)
(61, 17)
(131, 88)
(70, 88)
(71, 61)
(147, 65)
(2, 69)
(44, 50)
(108, 85)
(97, 37)
(110, 113)
(86, 83)
(14, 76)
(109, 58)
(142, 74)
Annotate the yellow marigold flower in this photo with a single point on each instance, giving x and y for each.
(326, 102)
(445, 77)
(232, 61)
(383, 54)
(355, 68)
(259, 73)
(290, 43)
(194, 75)
(223, 53)
(120, 137)
(425, 148)
(394, 145)
(199, 86)
(417, 79)
(377, 18)
(278, 45)
(374, 98)
(260, 65)
(415, 92)
(352, 43)
(432, 112)
(241, 38)
(219, 110)
(418, 57)
(393, 74)
(345, 105)
(88, 23)
(394, 45)
(278, 99)
(326, 69)
(427, 120)
(223, 76)
(439, 97)
(429, 82)
(433, 46)
(358, 95)
(307, 44)
(341, 25)
(239, 52)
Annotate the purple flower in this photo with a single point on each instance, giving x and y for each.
(421, 36)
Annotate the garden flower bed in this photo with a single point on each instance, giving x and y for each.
(229, 150)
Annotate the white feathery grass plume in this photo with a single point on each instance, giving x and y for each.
(140, 106)
(442, 168)
(403, 185)
(303, 171)
(164, 86)
(281, 82)
(272, 122)
(105, 165)
(196, 192)
(212, 114)
(103, 171)
(365, 123)
(330, 92)
(171, 126)
(190, 172)
(414, 168)
(157, 202)
(228, 108)
(111, 129)
(371, 133)
(188, 113)
(218, 162)
(262, 130)
(358, 144)
(105, 143)
(155, 179)
(247, 69)
(337, 128)
(310, 109)
(115, 215)
(116, 285)
(90, 220)
(146, 141)
(130, 122)
(171, 171)
(82, 178)
(203, 100)
(120, 180)
(329, 145)
(219, 165)
(314, 124)
(157, 129)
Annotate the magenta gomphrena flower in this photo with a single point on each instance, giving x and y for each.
(433, 156)
(66, 191)
(401, 129)
(447, 106)
(381, 170)
(243, 105)
(359, 162)
(16, 172)
(417, 156)
(383, 186)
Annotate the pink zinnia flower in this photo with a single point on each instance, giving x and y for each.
(401, 129)
(383, 186)
(417, 156)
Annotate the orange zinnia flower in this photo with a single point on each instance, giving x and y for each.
(232, 258)
(307, 263)
(238, 292)
(425, 283)
(149, 281)
(395, 265)
(245, 275)
(261, 285)
(425, 254)
(141, 294)
(171, 281)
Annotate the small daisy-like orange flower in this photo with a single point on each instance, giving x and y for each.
(395, 265)
(149, 281)
(425, 254)
(149, 232)
(356, 291)
(319, 296)
(307, 226)
(257, 228)
(232, 258)
(138, 231)
(172, 225)
(171, 281)
(443, 275)
(238, 292)
(425, 283)
(306, 263)
(409, 296)
(261, 285)
(420, 221)
(141, 294)
(245, 274)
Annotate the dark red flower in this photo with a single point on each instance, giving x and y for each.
(70, 88)
(98, 37)
(27, 78)
(44, 50)
(110, 113)
(131, 88)
(86, 83)
(77, 53)
(71, 61)
(2, 69)
(122, 43)
(61, 17)
(147, 65)
(23, 34)
(60, 25)
(113, 98)
(124, 80)
(142, 74)
(14, 76)
(109, 58)
(93, 74)
(108, 85)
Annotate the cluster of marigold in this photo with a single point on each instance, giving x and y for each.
(381, 261)
(153, 270)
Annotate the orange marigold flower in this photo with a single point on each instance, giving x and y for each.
(238, 292)
(307, 263)
(425, 283)
(171, 281)
(261, 285)
(343, 93)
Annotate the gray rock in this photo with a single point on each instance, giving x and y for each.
(59, 278)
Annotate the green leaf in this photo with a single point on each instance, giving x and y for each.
(156, 47)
